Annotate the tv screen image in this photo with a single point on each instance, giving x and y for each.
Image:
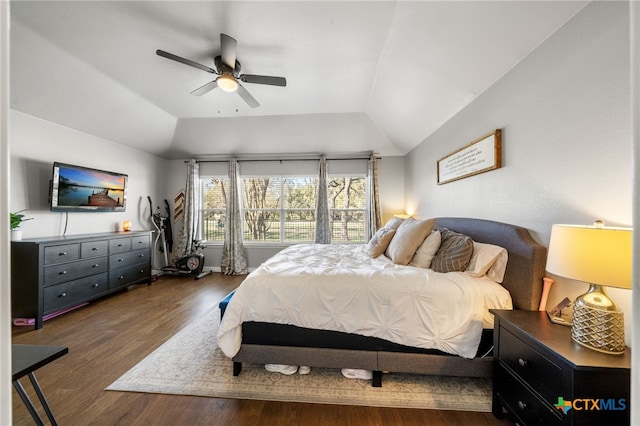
(86, 189)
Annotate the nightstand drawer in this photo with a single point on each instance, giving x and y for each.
(523, 403)
(532, 367)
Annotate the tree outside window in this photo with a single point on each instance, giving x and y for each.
(347, 208)
(214, 205)
(282, 209)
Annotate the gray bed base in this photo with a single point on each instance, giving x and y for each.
(523, 279)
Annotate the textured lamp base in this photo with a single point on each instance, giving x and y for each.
(600, 327)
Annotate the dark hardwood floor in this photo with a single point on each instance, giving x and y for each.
(109, 336)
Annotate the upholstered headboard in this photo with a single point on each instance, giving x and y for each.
(527, 258)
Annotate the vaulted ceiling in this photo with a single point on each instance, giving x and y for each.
(361, 76)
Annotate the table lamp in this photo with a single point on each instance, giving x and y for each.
(599, 256)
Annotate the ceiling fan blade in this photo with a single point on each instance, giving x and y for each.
(185, 61)
(244, 94)
(264, 79)
(229, 47)
(205, 88)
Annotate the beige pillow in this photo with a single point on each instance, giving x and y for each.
(410, 234)
(379, 242)
(427, 250)
(483, 258)
(394, 222)
(454, 253)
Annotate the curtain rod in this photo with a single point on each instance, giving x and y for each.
(283, 159)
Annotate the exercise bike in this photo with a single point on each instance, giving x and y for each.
(191, 264)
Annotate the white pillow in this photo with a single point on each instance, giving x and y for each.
(483, 258)
(496, 272)
(427, 250)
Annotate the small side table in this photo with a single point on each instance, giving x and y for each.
(25, 360)
(543, 377)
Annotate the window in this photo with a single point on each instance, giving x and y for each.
(283, 209)
(279, 202)
(279, 209)
(347, 208)
(214, 204)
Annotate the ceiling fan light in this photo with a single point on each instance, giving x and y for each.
(227, 83)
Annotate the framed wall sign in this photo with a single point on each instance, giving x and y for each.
(481, 155)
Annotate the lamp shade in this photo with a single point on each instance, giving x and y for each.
(593, 254)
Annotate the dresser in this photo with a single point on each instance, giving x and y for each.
(537, 367)
(51, 274)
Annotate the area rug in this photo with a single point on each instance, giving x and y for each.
(190, 363)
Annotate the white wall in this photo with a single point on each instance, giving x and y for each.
(35, 144)
(5, 263)
(391, 178)
(567, 152)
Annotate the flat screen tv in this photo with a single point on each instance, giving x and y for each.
(78, 188)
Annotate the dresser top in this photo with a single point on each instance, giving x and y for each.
(539, 328)
(79, 237)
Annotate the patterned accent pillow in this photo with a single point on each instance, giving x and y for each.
(379, 242)
(454, 253)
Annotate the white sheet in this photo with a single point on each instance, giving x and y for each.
(341, 288)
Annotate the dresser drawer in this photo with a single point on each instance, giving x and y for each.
(124, 276)
(61, 253)
(119, 245)
(57, 297)
(520, 401)
(539, 372)
(130, 258)
(141, 242)
(71, 271)
(94, 249)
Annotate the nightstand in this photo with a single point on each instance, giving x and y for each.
(538, 367)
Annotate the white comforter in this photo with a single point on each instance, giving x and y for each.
(341, 288)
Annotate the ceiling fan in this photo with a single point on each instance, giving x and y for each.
(228, 71)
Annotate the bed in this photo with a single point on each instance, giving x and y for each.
(249, 336)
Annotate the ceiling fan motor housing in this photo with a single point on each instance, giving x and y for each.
(225, 69)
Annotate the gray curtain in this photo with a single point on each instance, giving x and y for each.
(234, 258)
(374, 217)
(323, 224)
(188, 229)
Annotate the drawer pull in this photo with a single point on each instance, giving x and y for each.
(95, 265)
(63, 272)
(120, 260)
(121, 277)
(95, 285)
(95, 248)
(63, 295)
(62, 253)
(522, 405)
(141, 255)
(522, 362)
(120, 245)
(142, 271)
